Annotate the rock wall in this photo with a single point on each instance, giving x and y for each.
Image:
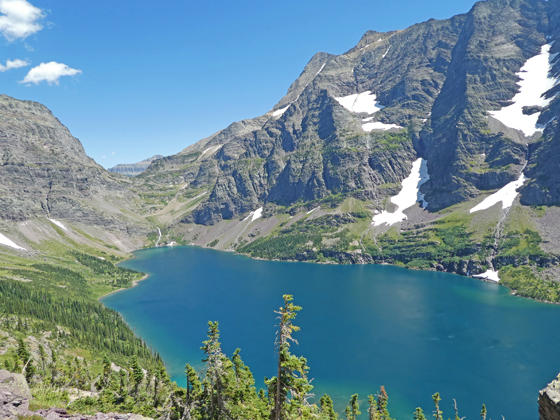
(549, 401)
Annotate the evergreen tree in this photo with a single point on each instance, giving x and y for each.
(327, 409)
(291, 387)
(137, 375)
(438, 414)
(419, 414)
(219, 372)
(373, 413)
(353, 408)
(42, 356)
(382, 404)
(483, 412)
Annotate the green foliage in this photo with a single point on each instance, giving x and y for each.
(524, 281)
(352, 410)
(213, 243)
(518, 244)
(305, 239)
(87, 323)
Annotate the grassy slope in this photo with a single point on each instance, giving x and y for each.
(51, 299)
(456, 241)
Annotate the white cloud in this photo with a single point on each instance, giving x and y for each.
(49, 72)
(13, 64)
(19, 19)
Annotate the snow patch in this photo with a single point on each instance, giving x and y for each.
(210, 151)
(365, 102)
(407, 197)
(489, 275)
(535, 82)
(257, 214)
(386, 52)
(378, 125)
(278, 113)
(506, 195)
(59, 224)
(312, 210)
(254, 215)
(4, 240)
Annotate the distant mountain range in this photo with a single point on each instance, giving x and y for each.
(133, 169)
(433, 147)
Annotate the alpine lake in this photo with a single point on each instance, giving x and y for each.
(362, 326)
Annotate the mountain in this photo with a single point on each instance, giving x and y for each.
(133, 169)
(438, 80)
(433, 147)
(468, 106)
(46, 177)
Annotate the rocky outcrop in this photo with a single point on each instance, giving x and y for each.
(549, 401)
(15, 397)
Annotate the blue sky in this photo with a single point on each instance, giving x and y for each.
(146, 77)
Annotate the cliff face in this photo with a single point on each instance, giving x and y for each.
(549, 401)
(433, 86)
(45, 172)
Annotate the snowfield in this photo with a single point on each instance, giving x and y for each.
(365, 102)
(377, 125)
(278, 113)
(59, 224)
(407, 197)
(4, 240)
(254, 215)
(488, 275)
(506, 195)
(535, 82)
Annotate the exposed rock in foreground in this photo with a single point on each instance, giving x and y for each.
(15, 397)
(549, 401)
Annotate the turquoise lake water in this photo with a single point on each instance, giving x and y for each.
(362, 327)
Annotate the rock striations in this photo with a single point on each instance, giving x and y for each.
(435, 86)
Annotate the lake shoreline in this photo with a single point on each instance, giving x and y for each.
(428, 309)
(231, 251)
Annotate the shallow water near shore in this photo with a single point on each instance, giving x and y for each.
(362, 326)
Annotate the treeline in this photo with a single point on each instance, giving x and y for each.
(87, 323)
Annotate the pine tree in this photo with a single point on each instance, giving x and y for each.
(483, 412)
(373, 413)
(42, 356)
(419, 414)
(353, 408)
(219, 373)
(193, 392)
(291, 387)
(326, 408)
(137, 375)
(382, 404)
(438, 414)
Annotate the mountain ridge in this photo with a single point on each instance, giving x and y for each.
(335, 152)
